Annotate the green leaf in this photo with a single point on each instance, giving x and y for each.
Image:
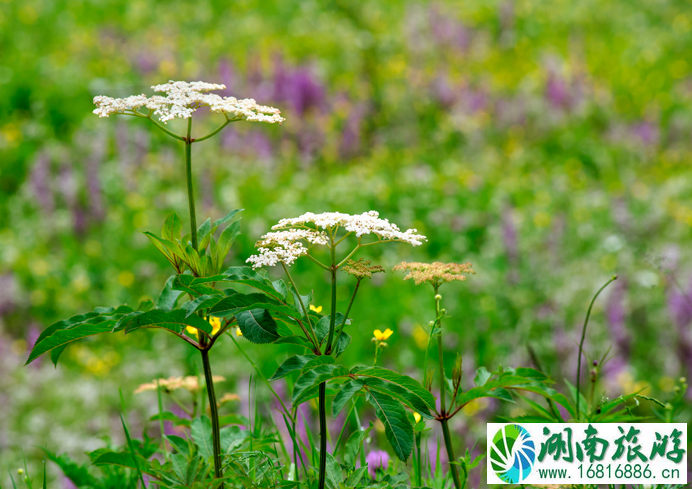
(280, 287)
(334, 473)
(172, 227)
(400, 394)
(355, 477)
(227, 218)
(78, 474)
(200, 429)
(203, 235)
(292, 364)
(180, 444)
(232, 437)
(55, 354)
(202, 302)
(482, 376)
(294, 340)
(226, 240)
(306, 299)
(232, 305)
(342, 344)
(101, 320)
(397, 426)
(104, 456)
(168, 297)
(415, 389)
(348, 390)
(257, 326)
(354, 445)
(174, 321)
(314, 374)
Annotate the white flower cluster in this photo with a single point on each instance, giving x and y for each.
(360, 224)
(184, 98)
(285, 245)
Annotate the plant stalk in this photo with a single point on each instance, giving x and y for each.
(323, 385)
(583, 336)
(190, 189)
(443, 403)
(450, 454)
(214, 410)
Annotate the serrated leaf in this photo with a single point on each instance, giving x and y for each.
(399, 393)
(342, 343)
(296, 362)
(281, 288)
(232, 437)
(168, 296)
(180, 444)
(101, 320)
(294, 340)
(227, 218)
(202, 302)
(354, 444)
(248, 276)
(172, 227)
(200, 429)
(257, 326)
(78, 474)
(397, 426)
(55, 354)
(348, 390)
(355, 477)
(232, 305)
(174, 321)
(334, 473)
(311, 377)
(411, 385)
(226, 240)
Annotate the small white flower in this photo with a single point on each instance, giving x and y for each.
(285, 244)
(182, 99)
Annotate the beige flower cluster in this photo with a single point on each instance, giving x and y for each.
(182, 99)
(435, 273)
(189, 383)
(361, 269)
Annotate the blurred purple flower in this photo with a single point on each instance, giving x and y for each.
(442, 91)
(40, 182)
(227, 76)
(616, 316)
(447, 31)
(557, 90)
(646, 132)
(67, 483)
(96, 209)
(377, 459)
(8, 293)
(350, 137)
(680, 309)
(509, 237)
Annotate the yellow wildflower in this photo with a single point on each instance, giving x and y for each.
(189, 383)
(316, 309)
(380, 336)
(215, 327)
(238, 332)
(416, 416)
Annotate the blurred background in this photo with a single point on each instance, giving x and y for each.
(548, 143)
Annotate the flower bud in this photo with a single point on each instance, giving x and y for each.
(443, 311)
(20, 471)
(432, 323)
(683, 380)
(383, 345)
(438, 297)
(595, 363)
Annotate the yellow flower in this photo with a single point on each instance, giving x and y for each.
(238, 332)
(380, 336)
(316, 309)
(416, 416)
(215, 326)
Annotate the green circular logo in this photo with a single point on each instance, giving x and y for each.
(512, 453)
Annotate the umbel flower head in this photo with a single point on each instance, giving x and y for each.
(290, 237)
(361, 268)
(182, 99)
(435, 273)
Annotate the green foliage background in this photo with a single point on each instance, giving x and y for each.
(548, 143)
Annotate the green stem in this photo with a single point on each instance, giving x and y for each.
(160, 401)
(323, 385)
(314, 340)
(419, 463)
(214, 410)
(190, 190)
(348, 310)
(213, 133)
(323, 435)
(583, 336)
(450, 454)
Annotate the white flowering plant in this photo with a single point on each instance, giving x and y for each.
(203, 300)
